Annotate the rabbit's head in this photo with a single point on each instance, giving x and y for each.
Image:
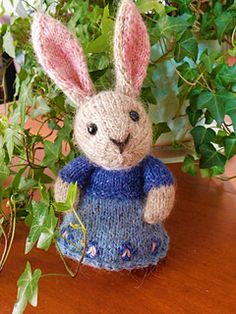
(111, 127)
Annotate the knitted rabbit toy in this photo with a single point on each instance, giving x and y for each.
(123, 193)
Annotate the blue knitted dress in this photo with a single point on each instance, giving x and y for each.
(111, 207)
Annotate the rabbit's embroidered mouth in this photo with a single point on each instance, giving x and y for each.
(121, 145)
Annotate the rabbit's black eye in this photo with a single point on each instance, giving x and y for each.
(92, 128)
(134, 115)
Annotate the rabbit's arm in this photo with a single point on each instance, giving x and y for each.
(159, 189)
(78, 170)
(159, 204)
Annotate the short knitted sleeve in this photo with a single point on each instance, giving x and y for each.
(155, 174)
(78, 170)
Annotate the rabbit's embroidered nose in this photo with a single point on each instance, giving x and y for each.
(121, 145)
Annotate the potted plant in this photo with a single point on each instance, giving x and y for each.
(36, 137)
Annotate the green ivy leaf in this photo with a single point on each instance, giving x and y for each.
(186, 47)
(52, 152)
(103, 42)
(99, 45)
(70, 199)
(48, 229)
(183, 4)
(148, 96)
(193, 114)
(44, 194)
(158, 129)
(42, 108)
(232, 52)
(4, 123)
(210, 157)
(208, 59)
(208, 117)
(189, 73)
(4, 172)
(27, 289)
(39, 215)
(215, 171)
(26, 184)
(148, 5)
(226, 74)
(8, 44)
(65, 131)
(205, 173)
(25, 98)
(39, 175)
(230, 146)
(224, 22)
(17, 178)
(230, 106)
(213, 103)
(61, 207)
(233, 6)
(71, 194)
(107, 23)
(169, 9)
(220, 138)
(189, 166)
(202, 135)
(168, 25)
(9, 140)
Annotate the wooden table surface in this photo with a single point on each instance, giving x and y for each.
(198, 276)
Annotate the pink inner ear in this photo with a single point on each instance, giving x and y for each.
(134, 44)
(62, 57)
(64, 64)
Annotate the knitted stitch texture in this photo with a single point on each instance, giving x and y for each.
(110, 111)
(132, 50)
(117, 236)
(111, 208)
(123, 193)
(117, 184)
(51, 41)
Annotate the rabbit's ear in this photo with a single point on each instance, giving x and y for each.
(131, 49)
(61, 56)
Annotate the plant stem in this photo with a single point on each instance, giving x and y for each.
(186, 81)
(52, 274)
(32, 7)
(71, 273)
(12, 202)
(168, 50)
(232, 37)
(10, 223)
(5, 247)
(225, 127)
(3, 214)
(72, 243)
(226, 178)
(31, 165)
(4, 92)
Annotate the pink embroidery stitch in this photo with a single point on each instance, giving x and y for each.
(154, 246)
(92, 251)
(65, 234)
(126, 253)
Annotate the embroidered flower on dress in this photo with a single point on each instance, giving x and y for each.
(155, 244)
(92, 249)
(65, 234)
(127, 251)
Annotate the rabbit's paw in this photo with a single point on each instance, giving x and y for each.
(159, 204)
